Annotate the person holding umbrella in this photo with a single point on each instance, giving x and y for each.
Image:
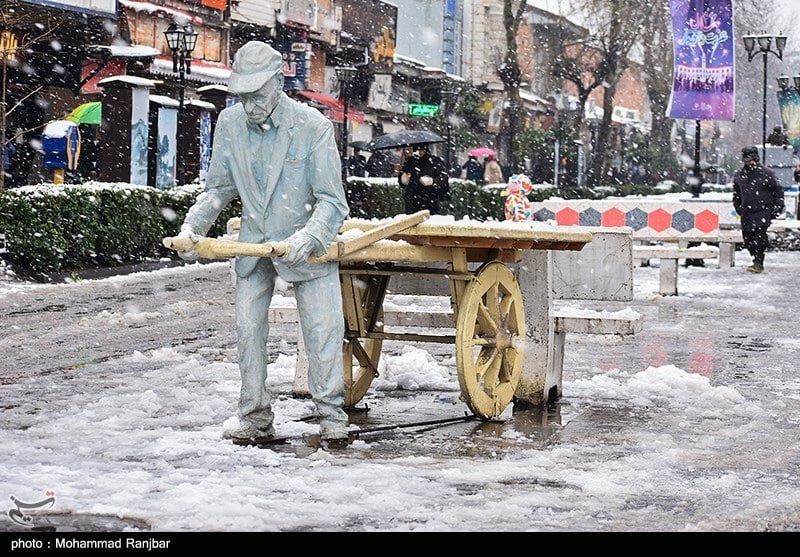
(425, 180)
(474, 169)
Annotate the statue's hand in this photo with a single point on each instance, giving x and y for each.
(188, 232)
(301, 245)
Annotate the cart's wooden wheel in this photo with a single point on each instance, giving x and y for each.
(362, 297)
(490, 334)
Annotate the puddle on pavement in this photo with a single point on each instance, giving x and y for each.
(529, 428)
(749, 344)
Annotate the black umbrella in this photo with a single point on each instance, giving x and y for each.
(360, 145)
(404, 138)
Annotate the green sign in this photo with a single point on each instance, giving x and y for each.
(423, 109)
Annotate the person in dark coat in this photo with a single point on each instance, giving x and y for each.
(474, 169)
(380, 164)
(357, 165)
(777, 137)
(758, 198)
(425, 180)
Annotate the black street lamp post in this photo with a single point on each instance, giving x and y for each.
(181, 42)
(345, 74)
(765, 48)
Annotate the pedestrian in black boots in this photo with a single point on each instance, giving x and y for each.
(758, 198)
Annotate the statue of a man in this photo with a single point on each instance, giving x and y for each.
(280, 157)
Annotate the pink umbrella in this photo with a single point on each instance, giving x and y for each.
(482, 152)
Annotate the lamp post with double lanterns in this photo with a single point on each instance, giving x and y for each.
(764, 43)
(345, 74)
(181, 41)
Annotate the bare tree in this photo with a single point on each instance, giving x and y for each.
(509, 72)
(615, 28)
(581, 63)
(20, 29)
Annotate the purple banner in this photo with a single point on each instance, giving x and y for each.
(703, 42)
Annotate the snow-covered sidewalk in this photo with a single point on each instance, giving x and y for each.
(116, 392)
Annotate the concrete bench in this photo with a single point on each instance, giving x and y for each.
(669, 256)
(586, 322)
(566, 320)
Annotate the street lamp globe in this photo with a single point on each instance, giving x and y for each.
(189, 39)
(174, 36)
(345, 73)
(749, 43)
(780, 44)
(783, 82)
(796, 80)
(764, 42)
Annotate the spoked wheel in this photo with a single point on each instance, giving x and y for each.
(490, 334)
(362, 297)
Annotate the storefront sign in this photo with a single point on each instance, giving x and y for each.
(423, 109)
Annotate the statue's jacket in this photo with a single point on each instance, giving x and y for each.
(301, 189)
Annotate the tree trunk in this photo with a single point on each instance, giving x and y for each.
(603, 148)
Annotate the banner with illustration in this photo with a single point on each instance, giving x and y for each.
(703, 44)
(166, 148)
(789, 102)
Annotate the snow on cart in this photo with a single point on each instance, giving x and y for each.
(484, 293)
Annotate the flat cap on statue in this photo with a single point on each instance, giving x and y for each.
(253, 65)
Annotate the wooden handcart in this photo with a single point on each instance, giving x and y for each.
(486, 299)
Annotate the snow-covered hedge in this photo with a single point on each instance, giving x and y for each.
(53, 228)
(50, 228)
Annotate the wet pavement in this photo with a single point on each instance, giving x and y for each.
(611, 455)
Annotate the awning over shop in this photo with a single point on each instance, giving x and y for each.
(535, 102)
(125, 51)
(334, 107)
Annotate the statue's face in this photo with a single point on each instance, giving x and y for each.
(258, 105)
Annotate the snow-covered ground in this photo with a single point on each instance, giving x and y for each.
(691, 425)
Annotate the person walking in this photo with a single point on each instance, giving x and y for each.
(473, 169)
(357, 165)
(280, 158)
(758, 198)
(493, 174)
(425, 180)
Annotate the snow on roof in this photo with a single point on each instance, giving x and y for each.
(532, 97)
(59, 128)
(201, 104)
(164, 101)
(127, 51)
(179, 15)
(202, 70)
(213, 87)
(132, 79)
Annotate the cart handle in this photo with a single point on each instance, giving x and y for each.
(215, 248)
